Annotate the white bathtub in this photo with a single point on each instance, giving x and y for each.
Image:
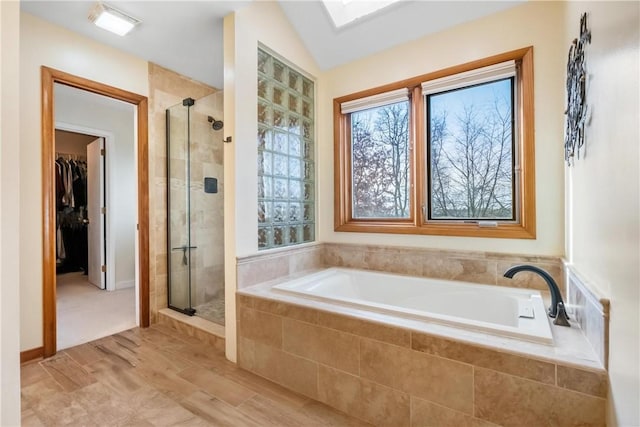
(496, 310)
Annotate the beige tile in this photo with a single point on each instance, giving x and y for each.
(366, 329)
(84, 354)
(340, 390)
(428, 414)
(40, 390)
(305, 260)
(462, 269)
(167, 382)
(439, 380)
(246, 353)
(267, 413)
(244, 300)
(504, 362)
(384, 406)
(69, 374)
(394, 261)
(326, 415)
(29, 418)
(261, 327)
(115, 352)
(217, 386)
(161, 263)
(62, 409)
(341, 255)
(124, 380)
(589, 382)
(293, 372)
(511, 401)
(103, 404)
(160, 410)
(292, 311)
(31, 373)
(262, 270)
(152, 392)
(328, 346)
(262, 386)
(215, 411)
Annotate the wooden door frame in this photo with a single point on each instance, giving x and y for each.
(49, 77)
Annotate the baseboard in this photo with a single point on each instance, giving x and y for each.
(34, 353)
(125, 284)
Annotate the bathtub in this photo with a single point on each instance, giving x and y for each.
(497, 310)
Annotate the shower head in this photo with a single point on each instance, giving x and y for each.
(215, 124)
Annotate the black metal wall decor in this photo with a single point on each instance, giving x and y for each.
(576, 94)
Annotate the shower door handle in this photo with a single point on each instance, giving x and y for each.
(184, 252)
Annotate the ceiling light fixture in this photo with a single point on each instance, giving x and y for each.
(111, 19)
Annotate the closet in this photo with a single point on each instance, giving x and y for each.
(72, 220)
(71, 213)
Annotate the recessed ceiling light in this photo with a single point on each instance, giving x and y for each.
(111, 19)
(346, 11)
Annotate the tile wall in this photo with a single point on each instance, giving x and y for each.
(392, 376)
(396, 377)
(166, 88)
(591, 311)
(477, 267)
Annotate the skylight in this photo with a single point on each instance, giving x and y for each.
(343, 12)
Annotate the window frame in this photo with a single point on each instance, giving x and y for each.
(417, 223)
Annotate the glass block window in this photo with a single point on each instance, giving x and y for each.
(286, 171)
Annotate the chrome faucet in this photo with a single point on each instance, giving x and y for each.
(556, 310)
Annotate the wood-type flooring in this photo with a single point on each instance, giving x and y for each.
(159, 377)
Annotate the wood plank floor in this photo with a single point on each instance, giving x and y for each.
(159, 377)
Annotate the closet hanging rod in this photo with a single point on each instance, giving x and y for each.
(71, 156)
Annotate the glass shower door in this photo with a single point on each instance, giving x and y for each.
(178, 208)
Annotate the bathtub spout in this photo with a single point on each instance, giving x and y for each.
(556, 310)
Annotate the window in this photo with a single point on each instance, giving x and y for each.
(448, 153)
(286, 201)
(380, 155)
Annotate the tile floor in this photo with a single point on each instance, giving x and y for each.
(157, 376)
(212, 310)
(86, 313)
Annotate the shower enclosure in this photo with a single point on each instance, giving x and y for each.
(195, 223)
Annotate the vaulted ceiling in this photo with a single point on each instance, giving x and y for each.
(186, 36)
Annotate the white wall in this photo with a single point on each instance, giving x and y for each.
(89, 110)
(603, 189)
(537, 24)
(262, 22)
(9, 214)
(42, 43)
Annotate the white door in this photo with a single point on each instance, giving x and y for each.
(95, 198)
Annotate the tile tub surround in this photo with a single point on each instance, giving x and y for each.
(399, 375)
(348, 363)
(467, 266)
(591, 311)
(476, 267)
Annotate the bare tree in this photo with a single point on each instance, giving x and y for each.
(392, 131)
(380, 146)
(471, 163)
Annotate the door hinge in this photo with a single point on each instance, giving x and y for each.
(103, 268)
(103, 210)
(102, 152)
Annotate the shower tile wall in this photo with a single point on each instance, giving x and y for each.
(166, 88)
(207, 209)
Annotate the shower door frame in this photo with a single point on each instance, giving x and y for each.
(187, 103)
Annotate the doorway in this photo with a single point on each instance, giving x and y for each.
(49, 78)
